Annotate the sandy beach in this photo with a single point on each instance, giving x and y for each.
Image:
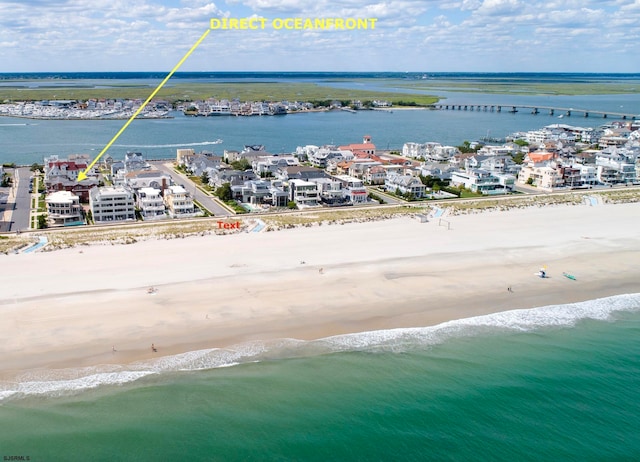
(70, 308)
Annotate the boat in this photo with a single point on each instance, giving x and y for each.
(569, 276)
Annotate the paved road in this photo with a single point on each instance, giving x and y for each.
(388, 198)
(22, 212)
(19, 220)
(207, 202)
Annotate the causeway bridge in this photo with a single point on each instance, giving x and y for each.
(514, 108)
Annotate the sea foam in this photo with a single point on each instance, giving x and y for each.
(71, 381)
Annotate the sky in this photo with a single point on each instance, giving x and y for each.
(409, 36)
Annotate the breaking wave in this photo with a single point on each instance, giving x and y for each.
(158, 146)
(71, 381)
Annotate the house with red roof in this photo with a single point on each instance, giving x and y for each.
(62, 175)
(366, 147)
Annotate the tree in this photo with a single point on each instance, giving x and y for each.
(518, 158)
(466, 147)
(204, 178)
(224, 192)
(242, 164)
(36, 167)
(42, 221)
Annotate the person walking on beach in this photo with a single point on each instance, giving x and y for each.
(153, 348)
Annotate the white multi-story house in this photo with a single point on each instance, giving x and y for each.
(151, 203)
(479, 181)
(588, 174)
(439, 153)
(303, 193)
(63, 209)
(539, 136)
(616, 166)
(135, 161)
(491, 163)
(258, 192)
(429, 151)
(178, 201)
(268, 165)
(354, 190)
(490, 150)
(414, 150)
(330, 191)
(112, 203)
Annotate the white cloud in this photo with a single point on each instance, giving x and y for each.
(452, 35)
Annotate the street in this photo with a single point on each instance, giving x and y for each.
(16, 211)
(206, 201)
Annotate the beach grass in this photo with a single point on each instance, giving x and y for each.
(131, 233)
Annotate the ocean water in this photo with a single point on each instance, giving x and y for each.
(548, 384)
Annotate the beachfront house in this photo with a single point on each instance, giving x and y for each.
(354, 189)
(330, 191)
(304, 193)
(63, 209)
(616, 166)
(405, 185)
(112, 203)
(150, 203)
(479, 181)
(178, 201)
(261, 192)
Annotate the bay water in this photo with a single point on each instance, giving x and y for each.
(25, 141)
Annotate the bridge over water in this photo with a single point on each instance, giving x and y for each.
(514, 108)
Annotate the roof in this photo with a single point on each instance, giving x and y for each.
(538, 157)
(62, 197)
(359, 147)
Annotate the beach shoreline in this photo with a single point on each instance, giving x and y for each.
(305, 283)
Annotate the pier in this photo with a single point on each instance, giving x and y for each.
(515, 108)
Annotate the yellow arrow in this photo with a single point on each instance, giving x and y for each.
(82, 175)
